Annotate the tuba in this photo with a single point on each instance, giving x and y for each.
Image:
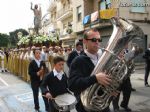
(97, 97)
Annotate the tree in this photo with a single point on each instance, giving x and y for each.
(14, 37)
(4, 40)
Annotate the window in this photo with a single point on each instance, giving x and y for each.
(79, 13)
(138, 6)
(104, 4)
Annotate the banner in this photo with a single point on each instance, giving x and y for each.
(108, 13)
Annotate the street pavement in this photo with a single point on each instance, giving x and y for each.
(16, 94)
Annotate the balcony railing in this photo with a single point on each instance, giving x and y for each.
(64, 11)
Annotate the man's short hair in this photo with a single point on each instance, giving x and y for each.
(79, 43)
(87, 32)
(58, 59)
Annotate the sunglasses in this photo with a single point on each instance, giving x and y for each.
(95, 40)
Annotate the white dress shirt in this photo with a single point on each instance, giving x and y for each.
(38, 62)
(94, 58)
(58, 74)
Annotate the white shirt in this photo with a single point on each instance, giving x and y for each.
(38, 62)
(94, 58)
(78, 52)
(58, 74)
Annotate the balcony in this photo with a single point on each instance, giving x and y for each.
(64, 13)
(99, 19)
(68, 36)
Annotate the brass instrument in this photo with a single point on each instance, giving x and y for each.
(97, 97)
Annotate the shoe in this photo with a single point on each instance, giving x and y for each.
(127, 109)
(6, 71)
(2, 71)
(132, 89)
(37, 110)
(116, 110)
(46, 110)
(147, 85)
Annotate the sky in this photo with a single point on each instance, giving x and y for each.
(17, 14)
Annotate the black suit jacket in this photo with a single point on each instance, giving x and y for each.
(71, 56)
(32, 71)
(80, 74)
(53, 85)
(80, 78)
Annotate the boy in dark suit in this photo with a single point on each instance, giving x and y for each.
(36, 71)
(55, 83)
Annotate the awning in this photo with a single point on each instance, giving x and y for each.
(86, 19)
(108, 13)
(94, 16)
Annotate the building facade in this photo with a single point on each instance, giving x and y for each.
(61, 16)
(135, 10)
(79, 15)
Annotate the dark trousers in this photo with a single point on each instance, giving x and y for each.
(35, 88)
(126, 90)
(147, 69)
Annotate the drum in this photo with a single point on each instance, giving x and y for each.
(65, 102)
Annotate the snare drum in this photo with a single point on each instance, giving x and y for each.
(65, 102)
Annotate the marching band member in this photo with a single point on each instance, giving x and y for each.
(56, 81)
(126, 89)
(146, 56)
(80, 77)
(36, 71)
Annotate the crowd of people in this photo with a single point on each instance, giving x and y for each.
(57, 70)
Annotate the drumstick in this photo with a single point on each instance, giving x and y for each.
(56, 99)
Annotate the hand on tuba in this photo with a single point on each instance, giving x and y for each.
(103, 79)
